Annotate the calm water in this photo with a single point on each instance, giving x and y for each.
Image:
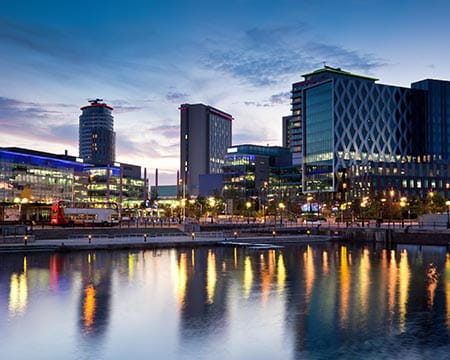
(308, 302)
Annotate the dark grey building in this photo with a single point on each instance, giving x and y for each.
(204, 138)
(435, 131)
(97, 139)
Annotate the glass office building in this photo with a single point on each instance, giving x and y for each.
(436, 127)
(254, 171)
(35, 177)
(348, 120)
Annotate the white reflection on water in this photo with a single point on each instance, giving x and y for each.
(18, 294)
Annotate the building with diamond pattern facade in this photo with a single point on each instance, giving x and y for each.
(349, 120)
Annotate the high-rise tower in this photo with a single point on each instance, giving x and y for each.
(204, 139)
(97, 139)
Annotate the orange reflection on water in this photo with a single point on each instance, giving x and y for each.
(404, 275)
(248, 276)
(89, 306)
(392, 282)
(325, 266)
(211, 277)
(308, 257)
(447, 289)
(179, 277)
(364, 281)
(432, 280)
(345, 279)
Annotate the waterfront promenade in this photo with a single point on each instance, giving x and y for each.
(140, 241)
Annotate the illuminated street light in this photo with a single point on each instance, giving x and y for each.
(248, 205)
(448, 213)
(281, 206)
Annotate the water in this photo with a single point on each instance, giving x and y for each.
(307, 302)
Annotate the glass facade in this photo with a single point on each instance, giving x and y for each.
(36, 179)
(28, 176)
(219, 141)
(437, 128)
(318, 138)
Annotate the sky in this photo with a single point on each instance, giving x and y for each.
(145, 58)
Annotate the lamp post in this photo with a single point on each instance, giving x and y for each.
(448, 213)
(363, 205)
(212, 204)
(403, 203)
(248, 205)
(383, 200)
(281, 206)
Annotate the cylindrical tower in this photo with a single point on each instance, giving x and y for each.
(97, 139)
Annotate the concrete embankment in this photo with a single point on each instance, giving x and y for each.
(136, 241)
(396, 236)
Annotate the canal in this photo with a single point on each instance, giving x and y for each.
(327, 301)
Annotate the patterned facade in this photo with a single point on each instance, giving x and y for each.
(350, 120)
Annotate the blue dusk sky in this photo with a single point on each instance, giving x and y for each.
(145, 58)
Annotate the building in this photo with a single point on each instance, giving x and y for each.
(97, 139)
(204, 138)
(436, 112)
(120, 183)
(359, 137)
(253, 171)
(410, 179)
(349, 119)
(40, 178)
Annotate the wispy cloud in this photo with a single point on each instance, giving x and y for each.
(170, 132)
(266, 56)
(176, 97)
(36, 121)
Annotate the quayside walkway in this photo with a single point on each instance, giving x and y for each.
(140, 241)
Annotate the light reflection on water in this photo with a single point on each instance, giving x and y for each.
(305, 302)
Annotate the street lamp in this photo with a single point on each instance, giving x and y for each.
(363, 205)
(448, 213)
(403, 201)
(212, 204)
(281, 206)
(248, 205)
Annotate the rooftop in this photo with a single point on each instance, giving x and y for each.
(329, 69)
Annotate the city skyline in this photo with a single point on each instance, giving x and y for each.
(145, 64)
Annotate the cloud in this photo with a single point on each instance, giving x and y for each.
(123, 106)
(280, 98)
(177, 97)
(36, 122)
(171, 132)
(267, 56)
(146, 149)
